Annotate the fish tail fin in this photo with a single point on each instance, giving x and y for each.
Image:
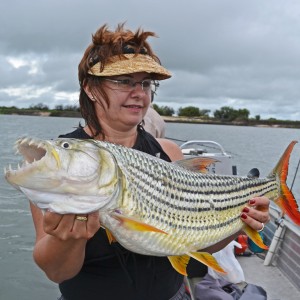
(286, 200)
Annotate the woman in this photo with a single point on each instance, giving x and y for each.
(118, 74)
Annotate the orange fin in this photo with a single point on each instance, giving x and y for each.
(179, 263)
(208, 260)
(133, 224)
(110, 236)
(196, 164)
(286, 200)
(255, 237)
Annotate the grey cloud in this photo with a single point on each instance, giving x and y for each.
(244, 54)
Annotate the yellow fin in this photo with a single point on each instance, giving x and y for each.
(207, 259)
(255, 237)
(286, 200)
(110, 236)
(196, 164)
(133, 224)
(179, 263)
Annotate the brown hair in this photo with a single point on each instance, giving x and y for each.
(106, 44)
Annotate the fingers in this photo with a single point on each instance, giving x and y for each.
(71, 226)
(93, 224)
(51, 221)
(256, 213)
(261, 203)
(79, 229)
(86, 225)
(58, 225)
(253, 223)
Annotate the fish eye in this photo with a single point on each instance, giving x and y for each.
(65, 145)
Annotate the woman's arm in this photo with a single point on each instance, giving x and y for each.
(60, 242)
(172, 149)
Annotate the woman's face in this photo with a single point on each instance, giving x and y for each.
(128, 102)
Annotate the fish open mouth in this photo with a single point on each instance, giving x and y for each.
(32, 151)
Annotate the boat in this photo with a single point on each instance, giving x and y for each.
(277, 270)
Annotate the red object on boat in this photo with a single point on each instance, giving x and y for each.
(243, 240)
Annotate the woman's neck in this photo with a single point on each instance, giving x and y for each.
(126, 138)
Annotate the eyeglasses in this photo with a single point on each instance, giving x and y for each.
(128, 85)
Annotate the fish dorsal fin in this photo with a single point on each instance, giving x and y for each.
(208, 260)
(196, 164)
(179, 263)
(131, 223)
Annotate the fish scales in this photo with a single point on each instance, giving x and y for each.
(188, 202)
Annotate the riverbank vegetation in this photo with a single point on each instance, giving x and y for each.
(225, 115)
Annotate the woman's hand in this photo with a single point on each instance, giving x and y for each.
(256, 214)
(70, 226)
(61, 240)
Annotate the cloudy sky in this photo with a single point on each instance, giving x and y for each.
(242, 54)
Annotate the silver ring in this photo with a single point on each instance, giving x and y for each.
(263, 226)
(81, 218)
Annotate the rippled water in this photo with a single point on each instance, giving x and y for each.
(19, 276)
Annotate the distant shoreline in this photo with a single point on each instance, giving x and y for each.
(173, 119)
(253, 123)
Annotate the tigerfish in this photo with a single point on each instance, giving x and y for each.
(148, 205)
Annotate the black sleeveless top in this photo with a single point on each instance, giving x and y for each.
(110, 271)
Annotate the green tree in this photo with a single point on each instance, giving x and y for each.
(204, 113)
(189, 111)
(59, 107)
(164, 110)
(242, 114)
(39, 106)
(71, 107)
(227, 113)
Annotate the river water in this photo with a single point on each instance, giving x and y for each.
(20, 278)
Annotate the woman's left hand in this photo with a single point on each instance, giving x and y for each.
(256, 214)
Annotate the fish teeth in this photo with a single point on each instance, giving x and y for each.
(16, 148)
(31, 142)
(18, 141)
(24, 141)
(40, 145)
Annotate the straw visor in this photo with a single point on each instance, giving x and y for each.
(131, 63)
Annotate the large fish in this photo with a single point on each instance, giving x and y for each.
(148, 205)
